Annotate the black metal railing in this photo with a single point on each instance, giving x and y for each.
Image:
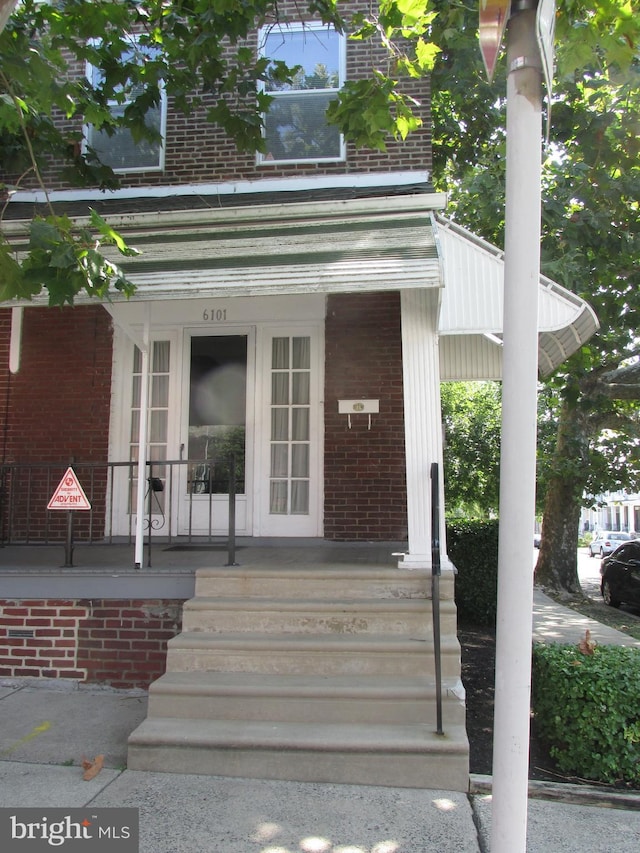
(173, 489)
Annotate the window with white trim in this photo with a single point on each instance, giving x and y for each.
(158, 424)
(119, 149)
(290, 426)
(295, 127)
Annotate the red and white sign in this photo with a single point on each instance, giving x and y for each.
(69, 494)
(493, 20)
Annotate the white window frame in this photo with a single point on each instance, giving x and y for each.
(159, 166)
(309, 27)
(287, 525)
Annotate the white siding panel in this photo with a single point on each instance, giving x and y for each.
(472, 299)
(472, 304)
(468, 358)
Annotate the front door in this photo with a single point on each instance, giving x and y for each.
(248, 391)
(216, 436)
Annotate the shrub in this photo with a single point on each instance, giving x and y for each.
(587, 708)
(473, 549)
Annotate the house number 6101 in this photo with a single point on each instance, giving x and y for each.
(216, 315)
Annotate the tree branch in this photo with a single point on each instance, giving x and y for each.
(616, 422)
(627, 374)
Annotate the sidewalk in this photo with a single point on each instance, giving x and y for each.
(46, 731)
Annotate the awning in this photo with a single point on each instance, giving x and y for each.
(332, 246)
(345, 245)
(471, 317)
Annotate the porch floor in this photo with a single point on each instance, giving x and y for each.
(108, 571)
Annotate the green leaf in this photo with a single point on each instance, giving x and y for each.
(110, 235)
(426, 54)
(11, 279)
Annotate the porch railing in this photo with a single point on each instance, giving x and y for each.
(173, 488)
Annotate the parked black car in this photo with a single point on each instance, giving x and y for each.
(620, 573)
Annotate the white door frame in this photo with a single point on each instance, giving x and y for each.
(266, 524)
(177, 322)
(199, 505)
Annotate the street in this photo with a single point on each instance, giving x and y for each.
(589, 573)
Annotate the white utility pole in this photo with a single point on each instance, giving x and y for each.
(518, 457)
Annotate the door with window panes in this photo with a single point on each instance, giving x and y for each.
(218, 435)
(290, 503)
(252, 394)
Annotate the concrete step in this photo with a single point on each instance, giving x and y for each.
(304, 698)
(403, 756)
(312, 654)
(331, 582)
(319, 616)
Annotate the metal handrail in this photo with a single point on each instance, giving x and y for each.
(436, 571)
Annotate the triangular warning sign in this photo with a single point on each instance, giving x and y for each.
(69, 494)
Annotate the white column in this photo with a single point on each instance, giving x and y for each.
(142, 444)
(423, 421)
(518, 445)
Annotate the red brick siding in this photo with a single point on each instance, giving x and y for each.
(121, 643)
(365, 482)
(57, 408)
(198, 152)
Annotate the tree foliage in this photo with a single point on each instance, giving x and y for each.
(589, 426)
(471, 416)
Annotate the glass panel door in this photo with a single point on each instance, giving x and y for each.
(217, 431)
(290, 487)
(217, 412)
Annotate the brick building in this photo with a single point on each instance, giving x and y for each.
(299, 308)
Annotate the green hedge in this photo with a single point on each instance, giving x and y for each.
(473, 548)
(587, 709)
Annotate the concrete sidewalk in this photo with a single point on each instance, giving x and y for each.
(46, 731)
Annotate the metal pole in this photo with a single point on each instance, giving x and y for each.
(232, 511)
(142, 445)
(436, 571)
(518, 455)
(68, 545)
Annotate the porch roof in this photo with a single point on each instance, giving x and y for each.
(471, 316)
(321, 246)
(326, 247)
(374, 243)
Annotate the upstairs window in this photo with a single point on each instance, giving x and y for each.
(296, 128)
(118, 149)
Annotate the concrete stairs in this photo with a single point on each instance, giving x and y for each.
(310, 674)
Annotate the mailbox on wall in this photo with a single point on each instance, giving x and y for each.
(358, 407)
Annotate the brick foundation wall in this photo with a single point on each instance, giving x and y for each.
(365, 481)
(120, 643)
